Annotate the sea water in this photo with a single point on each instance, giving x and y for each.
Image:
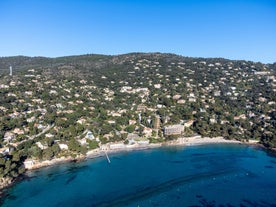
(207, 175)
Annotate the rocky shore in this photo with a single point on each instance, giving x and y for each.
(5, 183)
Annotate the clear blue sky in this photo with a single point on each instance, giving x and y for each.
(234, 29)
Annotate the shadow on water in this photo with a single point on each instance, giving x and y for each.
(70, 171)
(6, 192)
(11, 197)
(69, 180)
(203, 154)
(273, 161)
(270, 153)
(29, 178)
(245, 203)
(5, 195)
(260, 203)
(146, 192)
(213, 157)
(177, 161)
(77, 168)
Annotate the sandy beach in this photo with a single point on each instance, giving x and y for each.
(198, 140)
(185, 141)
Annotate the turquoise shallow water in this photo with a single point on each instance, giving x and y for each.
(208, 175)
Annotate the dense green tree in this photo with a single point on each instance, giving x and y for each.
(48, 153)
(130, 128)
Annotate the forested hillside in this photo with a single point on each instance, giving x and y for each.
(52, 107)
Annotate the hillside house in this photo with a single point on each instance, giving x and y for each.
(147, 132)
(188, 123)
(8, 136)
(89, 135)
(131, 122)
(63, 146)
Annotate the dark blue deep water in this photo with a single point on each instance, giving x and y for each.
(207, 175)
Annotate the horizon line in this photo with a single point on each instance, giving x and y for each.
(128, 53)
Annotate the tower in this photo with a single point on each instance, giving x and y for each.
(10, 70)
(157, 122)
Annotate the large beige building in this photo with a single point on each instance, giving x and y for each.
(176, 129)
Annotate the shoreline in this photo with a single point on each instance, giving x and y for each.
(92, 154)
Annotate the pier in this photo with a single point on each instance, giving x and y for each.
(107, 157)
